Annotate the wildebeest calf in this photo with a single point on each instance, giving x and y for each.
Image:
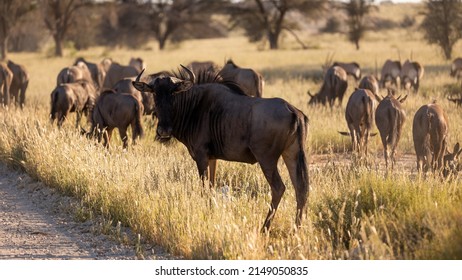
(389, 119)
(76, 97)
(115, 110)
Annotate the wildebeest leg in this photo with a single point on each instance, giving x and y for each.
(22, 96)
(212, 171)
(202, 163)
(77, 119)
(123, 136)
(107, 137)
(271, 173)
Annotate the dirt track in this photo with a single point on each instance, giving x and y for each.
(36, 222)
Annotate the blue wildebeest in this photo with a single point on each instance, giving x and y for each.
(76, 97)
(216, 120)
(359, 115)
(116, 72)
(248, 79)
(389, 119)
(456, 68)
(116, 110)
(430, 132)
(334, 86)
(96, 70)
(19, 83)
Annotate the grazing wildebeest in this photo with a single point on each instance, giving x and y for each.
(352, 69)
(359, 115)
(72, 74)
(451, 159)
(96, 70)
(248, 79)
(370, 82)
(456, 68)
(78, 97)
(390, 74)
(411, 75)
(334, 86)
(430, 131)
(201, 66)
(19, 83)
(218, 121)
(389, 119)
(116, 110)
(458, 101)
(117, 72)
(6, 78)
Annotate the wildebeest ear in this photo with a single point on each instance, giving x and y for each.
(141, 86)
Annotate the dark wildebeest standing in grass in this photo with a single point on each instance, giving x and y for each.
(456, 68)
(334, 86)
(430, 131)
(19, 83)
(359, 115)
(217, 120)
(78, 97)
(411, 75)
(96, 70)
(117, 72)
(6, 77)
(389, 119)
(116, 110)
(248, 79)
(390, 74)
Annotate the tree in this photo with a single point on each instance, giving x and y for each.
(10, 13)
(442, 24)
(268, 19)
(58, 16)
(357, 10)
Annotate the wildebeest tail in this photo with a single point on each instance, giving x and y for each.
(369, 105)
(302, 188)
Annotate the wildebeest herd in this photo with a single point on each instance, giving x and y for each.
(219, 113)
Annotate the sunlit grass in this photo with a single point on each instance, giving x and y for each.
(354, 212)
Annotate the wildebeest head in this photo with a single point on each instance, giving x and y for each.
(450, 160)
(164, 88)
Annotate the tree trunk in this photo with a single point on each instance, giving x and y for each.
(162, 43)
(273, 41)
(357, 44)
(58, 46)
(4, 48)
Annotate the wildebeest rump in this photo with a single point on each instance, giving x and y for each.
(370, 82)
(73, 74)
(359, 115)
(76, 97)
(334, 86)
(456, 68)
(215, 121)
(248, 79)
(19, 83)
(117, 72)
(116, 110)
(430, 131)
(352, 68)
(96, 70)
(390, 74)
(389, 119)
(411, 75)
(6, 77)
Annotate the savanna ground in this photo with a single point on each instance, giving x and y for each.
(354, 211)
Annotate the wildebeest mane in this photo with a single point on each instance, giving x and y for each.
(205, 76)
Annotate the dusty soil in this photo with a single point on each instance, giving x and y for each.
(37, 222)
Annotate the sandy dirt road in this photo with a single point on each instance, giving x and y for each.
(36, 222)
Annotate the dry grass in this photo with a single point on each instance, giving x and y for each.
(354, 212)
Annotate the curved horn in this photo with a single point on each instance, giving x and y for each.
(139, 76)
(192, 77)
